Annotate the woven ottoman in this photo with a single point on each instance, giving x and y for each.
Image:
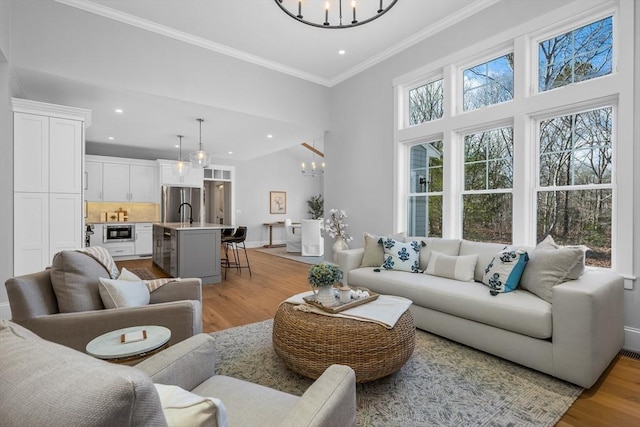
(309, 343)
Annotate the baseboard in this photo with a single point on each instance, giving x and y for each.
(5, 310)
(632, 339)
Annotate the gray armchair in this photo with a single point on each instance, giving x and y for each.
(43, 383)
(36, 305)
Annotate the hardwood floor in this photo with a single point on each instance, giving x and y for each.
(240, 299)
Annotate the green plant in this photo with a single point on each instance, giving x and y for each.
(316, 206)
(324, 274)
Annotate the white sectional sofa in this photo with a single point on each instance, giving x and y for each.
(573, 336)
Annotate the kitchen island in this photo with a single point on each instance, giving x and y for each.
(182, 249)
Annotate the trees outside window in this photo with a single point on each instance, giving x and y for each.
(425, 103)
(488, 83)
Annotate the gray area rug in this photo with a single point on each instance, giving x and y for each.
(294, 256)
(442, 384)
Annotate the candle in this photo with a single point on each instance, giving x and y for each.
(353, 5)
(303, 167)
(299, 8)
(326, 14)
(313, 166)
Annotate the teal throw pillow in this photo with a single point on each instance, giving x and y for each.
(403, 256)
(505, 270)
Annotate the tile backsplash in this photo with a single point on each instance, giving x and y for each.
(117, 211)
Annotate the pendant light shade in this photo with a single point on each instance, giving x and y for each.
(200, 158)
(181, 167)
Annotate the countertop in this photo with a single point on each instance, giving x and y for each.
(194, 226)
(119, 222)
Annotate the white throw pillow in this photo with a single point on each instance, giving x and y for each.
(401, 256)
(123, 293)
(452, 267)
(127, 275)
(505, 269)
(182, 408)
(578, 268)
(373, 251)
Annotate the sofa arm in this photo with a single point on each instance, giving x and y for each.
(176, 291)
(186, 364)
(330, 401)
(348, 260)
(75, 330)
(588, 325)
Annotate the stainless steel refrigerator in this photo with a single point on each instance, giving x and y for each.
(174, 197)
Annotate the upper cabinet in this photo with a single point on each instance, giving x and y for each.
(112, 179)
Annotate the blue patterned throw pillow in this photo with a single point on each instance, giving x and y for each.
(403, 256)
(505, 269)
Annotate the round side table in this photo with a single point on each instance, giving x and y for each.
(110, 347)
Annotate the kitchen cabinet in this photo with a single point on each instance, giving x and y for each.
(48, 148)
(112, 179)
(144, 239)
(120, 249)
(195, 177)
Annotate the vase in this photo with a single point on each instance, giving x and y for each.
(326, 296)
(339, 245)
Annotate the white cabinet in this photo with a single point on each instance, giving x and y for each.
(93, 181)
(112, 179)
(119, 249)
(48, 142)
(195, 177)
(144, 239)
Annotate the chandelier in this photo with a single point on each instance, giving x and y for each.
(200, 158)
(181, 168)
(313, 170)
(360, 12)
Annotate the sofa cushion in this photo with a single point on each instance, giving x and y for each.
(43, 383)
(373, 251)
(249, 404)
(485, 251)
(400, 255)
(518, 311)
(444, 246)
(505, 269)
(75, 278)
(452, 267)
(549, 267)
(182, 408)
(123, 293)
(578, 269)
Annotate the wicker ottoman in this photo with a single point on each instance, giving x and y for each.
(309, 343)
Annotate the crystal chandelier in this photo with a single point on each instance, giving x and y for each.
(200, 158)
(181, 167)
(360, 12)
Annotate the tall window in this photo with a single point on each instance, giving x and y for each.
(578, 55)
(488, 180)
(425, 103)
(575, 197)
(488, 83)
(425, 199)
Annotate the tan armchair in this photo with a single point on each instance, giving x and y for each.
(35, 305)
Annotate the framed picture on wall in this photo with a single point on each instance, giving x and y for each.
(277, 202)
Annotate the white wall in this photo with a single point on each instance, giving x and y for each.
(359, 147)
(279, 171)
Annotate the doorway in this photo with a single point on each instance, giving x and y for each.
(218, 202)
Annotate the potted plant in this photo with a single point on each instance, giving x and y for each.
(322, 276)
(316, 206)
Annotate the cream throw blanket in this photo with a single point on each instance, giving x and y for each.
(385, 310)
(103, 256)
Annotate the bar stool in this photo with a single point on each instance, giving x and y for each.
(235, 242)
(227, 234)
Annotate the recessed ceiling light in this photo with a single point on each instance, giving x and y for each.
(269, 136)
(110, 138)
(230, 152)
(177, 146)
(342, 52)
(119, 110)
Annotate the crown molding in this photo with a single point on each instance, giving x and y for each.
(154, 27)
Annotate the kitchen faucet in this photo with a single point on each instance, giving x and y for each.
(190, 211)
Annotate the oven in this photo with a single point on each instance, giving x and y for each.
(119, 233)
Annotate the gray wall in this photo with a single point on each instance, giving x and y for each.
(360, 149)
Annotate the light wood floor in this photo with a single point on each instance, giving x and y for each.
(240, 299)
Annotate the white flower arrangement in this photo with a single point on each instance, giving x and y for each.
(335, 225)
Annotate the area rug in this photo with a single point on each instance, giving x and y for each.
(294, 256)
(443, 384)
(143, 273)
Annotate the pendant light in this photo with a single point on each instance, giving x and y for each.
(200, 158)
(181, 167)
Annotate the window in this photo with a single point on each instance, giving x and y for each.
(425, 200)
(488, 83)
(575, 199)
(488, 180)
(425, 103)
(581, 54)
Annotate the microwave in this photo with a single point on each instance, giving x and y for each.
(119, 233)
